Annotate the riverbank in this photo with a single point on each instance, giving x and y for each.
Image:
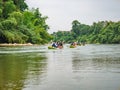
(14, 44)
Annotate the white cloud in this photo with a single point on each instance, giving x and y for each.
(61, 13)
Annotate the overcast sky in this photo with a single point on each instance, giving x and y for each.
(61, 13)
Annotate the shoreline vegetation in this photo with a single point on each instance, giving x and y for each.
(102, 32)
(19, 24)
(15, 44)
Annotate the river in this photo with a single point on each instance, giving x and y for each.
(89, 67)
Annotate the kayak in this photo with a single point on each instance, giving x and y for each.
(59, 47)
(50, 47)
(71, 46)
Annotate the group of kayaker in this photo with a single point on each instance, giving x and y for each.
(60, 45)
(57, 45)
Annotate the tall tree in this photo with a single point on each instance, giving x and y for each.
(8, 7)
(21, 5)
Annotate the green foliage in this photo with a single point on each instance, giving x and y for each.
(19, 25)
(14, 37)
(9, 24)
(21, 5)
(0, 12)
(8, 8)
(8, 36)
(38, 20)
(100, 32)
(18, 16)
(28, 19)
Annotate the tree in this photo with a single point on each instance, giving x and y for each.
(8, 8)
(19, 25)
(98, 32)
(75, 28)
(21, 5)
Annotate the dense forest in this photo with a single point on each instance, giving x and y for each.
(102, 32)
(18, 24)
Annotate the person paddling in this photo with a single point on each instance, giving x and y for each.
(60, 45)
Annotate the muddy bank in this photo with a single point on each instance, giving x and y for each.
(15, 44)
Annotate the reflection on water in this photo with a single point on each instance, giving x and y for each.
(90, 67)
(17, 70)
(98, 68)
(98, 58)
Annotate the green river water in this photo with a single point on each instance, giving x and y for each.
(89, 67)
